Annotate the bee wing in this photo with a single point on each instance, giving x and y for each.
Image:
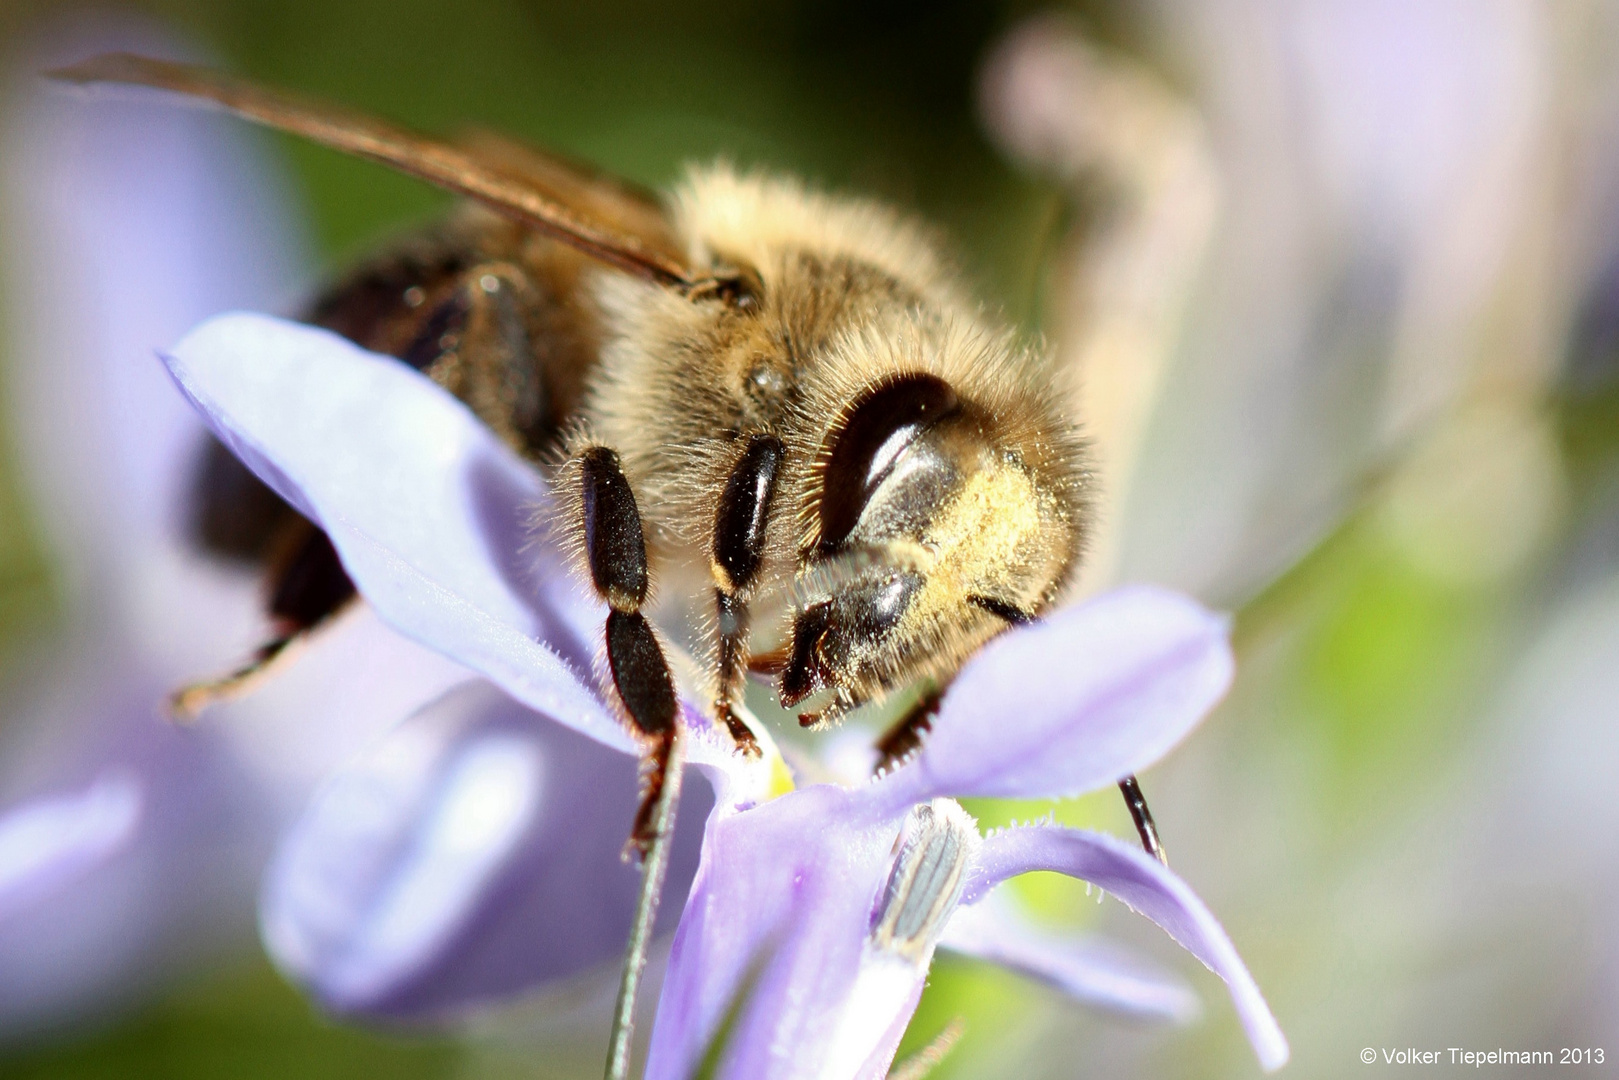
(614, 202)
(606, 219)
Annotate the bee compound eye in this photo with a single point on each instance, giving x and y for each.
(866, 445)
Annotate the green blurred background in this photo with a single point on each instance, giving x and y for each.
(1337, 812)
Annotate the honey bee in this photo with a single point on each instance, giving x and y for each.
(744, 388)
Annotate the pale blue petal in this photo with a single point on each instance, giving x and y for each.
(472, 854)
(431, 514)
(127, 221)
(1074, 702)
(145, 888)
(776, 928)
(1091, 970)
(1148, 887)
(48, 843)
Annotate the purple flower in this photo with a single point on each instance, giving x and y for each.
(814, 914)
(130, 847)
(52, 841)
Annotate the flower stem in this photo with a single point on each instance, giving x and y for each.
(654, 867)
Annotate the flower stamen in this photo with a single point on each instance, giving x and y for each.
(935, 846)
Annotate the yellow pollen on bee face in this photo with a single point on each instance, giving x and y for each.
(980, 540)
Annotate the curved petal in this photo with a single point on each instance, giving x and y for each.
(473, 853)
(1091, 970)
(47, 843)
(1148, 887)
(772, 960)
(1074, 702)
(429, 511)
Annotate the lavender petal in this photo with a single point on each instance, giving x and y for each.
(50, 842)
(771, 956)
(429, 511)
(1089, 969)
(1073, 703)
(1149, 888)
(474, 853)
(129, 909)
(127, 221)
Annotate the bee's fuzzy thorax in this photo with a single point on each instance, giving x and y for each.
(749, 217)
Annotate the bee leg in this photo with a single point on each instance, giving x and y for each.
(1145, 827)
(905, 737)
(307, 587)
(478, 343)
(615, 548)
(739, 539)
(732, 665)
(466, 327)
(641, 676)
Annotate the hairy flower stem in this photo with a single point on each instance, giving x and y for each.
(654, 867)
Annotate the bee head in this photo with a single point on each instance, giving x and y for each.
(933, 532)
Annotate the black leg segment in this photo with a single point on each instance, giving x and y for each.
(640, 673)
(744, 512)
(740, 529)
(614, 543)
(905, 737)
(733, 666)
(309, 585)
(655, 773)
(1137, 802)
(306, 586)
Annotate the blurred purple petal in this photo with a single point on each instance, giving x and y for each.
(473, 853)
(126, 221)
(1149, 888)
(176, 888)
(51, 842)
(1074, 702)
(1093, 971)
(776, 928)
(429, 511)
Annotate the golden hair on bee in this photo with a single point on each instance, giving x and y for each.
(756, 216)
